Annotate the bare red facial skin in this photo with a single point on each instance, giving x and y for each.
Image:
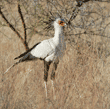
(61, 23)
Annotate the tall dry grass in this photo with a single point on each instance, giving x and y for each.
(82, 78)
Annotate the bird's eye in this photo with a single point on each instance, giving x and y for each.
(61, 23)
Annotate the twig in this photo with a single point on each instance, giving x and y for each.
(76, 10)
(73, 15)
(10, 25)
(24, 27)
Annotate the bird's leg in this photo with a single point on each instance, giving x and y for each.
(45, 83)
(46, 69)
(53, 75)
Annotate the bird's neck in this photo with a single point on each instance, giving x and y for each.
(58, 36)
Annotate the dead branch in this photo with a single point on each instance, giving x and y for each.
(24, 26)
(11, 26)
(76, 10)
(73, 15)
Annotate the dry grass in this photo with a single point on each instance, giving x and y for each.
(82, 77)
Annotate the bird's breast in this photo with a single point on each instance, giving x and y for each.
(58, 47)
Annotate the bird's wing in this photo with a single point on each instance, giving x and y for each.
(43, 50)
(23, 54)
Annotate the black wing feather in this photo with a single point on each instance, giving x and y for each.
(23, 54)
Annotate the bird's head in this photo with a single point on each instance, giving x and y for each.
(58, 23)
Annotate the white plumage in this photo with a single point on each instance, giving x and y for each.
(52, 48)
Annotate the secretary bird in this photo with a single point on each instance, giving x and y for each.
(50, 51)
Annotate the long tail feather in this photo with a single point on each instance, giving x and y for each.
(11, 67)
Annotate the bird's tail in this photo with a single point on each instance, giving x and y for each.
(11, 67)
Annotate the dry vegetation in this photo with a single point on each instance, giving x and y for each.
(82, 78)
